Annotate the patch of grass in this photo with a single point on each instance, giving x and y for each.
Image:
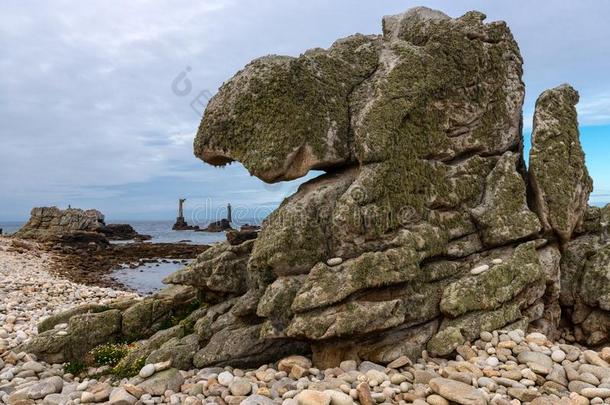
(74, 367)
(130, 370)
(109, 354)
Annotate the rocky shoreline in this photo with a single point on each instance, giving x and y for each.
(500, 367)
(92, 265)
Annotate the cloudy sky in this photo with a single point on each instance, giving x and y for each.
(100, 100)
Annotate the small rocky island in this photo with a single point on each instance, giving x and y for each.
(221, 225)
(427, 265)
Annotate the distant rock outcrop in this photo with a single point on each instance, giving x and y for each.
(122, 232)
(218, 226)
(51, 223)
(74, 226)
(426, 229)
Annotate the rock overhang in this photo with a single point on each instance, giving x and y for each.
(283, 116)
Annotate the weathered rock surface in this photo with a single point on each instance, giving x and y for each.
(560, 181)
(426, 229)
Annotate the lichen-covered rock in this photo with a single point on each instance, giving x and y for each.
(353, 318)
(445, 342)
(242, 346)
(179, 351)
(297, 235)
(63, 317)
(142, 349)
(277, 299)
(221, 269)
(550, 262)
(504, 215)
(92, 325)
(489, 290)
(156, 312)
(85, 331)
(559, 178)
(282, 116)
(595, 284)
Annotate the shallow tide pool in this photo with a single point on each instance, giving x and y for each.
(147, 278)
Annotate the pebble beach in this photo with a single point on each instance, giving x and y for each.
(501, 367)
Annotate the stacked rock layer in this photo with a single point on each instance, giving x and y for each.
(426, 229)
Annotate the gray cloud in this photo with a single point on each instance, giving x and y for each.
(88, 116)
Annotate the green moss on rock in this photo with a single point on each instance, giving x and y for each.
(494, 287)
(445, 342)
(504, 215)
(351, 318)
(595, 284)
(558, 175)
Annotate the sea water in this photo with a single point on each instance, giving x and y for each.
(148, 277)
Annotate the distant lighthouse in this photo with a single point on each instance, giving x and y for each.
(229, 216)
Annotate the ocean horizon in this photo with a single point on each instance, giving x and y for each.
(160, 230)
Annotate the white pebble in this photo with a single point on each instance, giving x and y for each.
(147, 371)
(479, 269)
(492, 361)
(335, 261)
(558, 356)
(225, 378)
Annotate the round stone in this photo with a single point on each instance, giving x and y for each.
(311, 397)
(348, 365)
(225, 378)
(397, 378)
(435, 399)
(339, 398)
(486, 336)
(492, 361)
(558, 356)
(147, 371)
(240, 387)
(335, 261)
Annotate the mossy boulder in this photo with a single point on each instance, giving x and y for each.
(242, 346)
(63, 317)
(162, 310)
(179, 351)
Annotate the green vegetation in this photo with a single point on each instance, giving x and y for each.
(109, 354)
(74, 367)
(129, 370)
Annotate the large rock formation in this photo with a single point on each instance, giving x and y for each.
(419, 235)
